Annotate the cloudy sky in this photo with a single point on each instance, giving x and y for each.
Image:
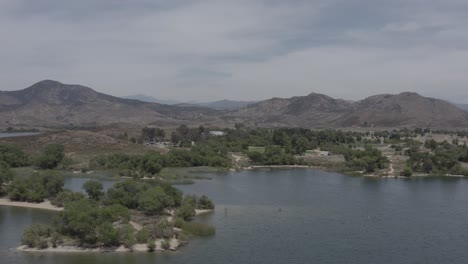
(238, 49)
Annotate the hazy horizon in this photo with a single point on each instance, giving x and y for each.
(196, 50)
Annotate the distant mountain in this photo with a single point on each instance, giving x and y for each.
(51, 103)
(314, 110)
(405, 109)
(226, 104)
(151, 99)
(318, 110)
(220, 105)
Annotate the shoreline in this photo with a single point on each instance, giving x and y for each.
(46, 205)
(174, 245)
(360, 174)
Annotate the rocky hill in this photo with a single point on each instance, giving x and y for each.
(318, 110)
(314, 110)
(51, 103)
(405, 109)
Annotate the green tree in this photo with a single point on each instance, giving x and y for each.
(154, 200)
(107, 235)
(94, 190)
(13, 156)
(52, 181)
(205, 203)
(6, 175)
(187, 210)
(51, 157)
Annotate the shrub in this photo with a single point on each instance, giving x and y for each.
(36, 236)
(94, 190)
(186, 212)
(154, 200)
(38, 187)
(51, 157)
(65, 197)
(198, 229)
(205, 203)
(151, 244)
(6, 175)
(407, 172)
(107, 235)
(165, 244)
(179, 222)
(127, 236)
(142, 235)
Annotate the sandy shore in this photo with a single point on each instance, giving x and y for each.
(174, 244)
(278, 167)
(46, 205)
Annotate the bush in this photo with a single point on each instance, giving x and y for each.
(186, 212)
(36, 236)
(65, 197)
(127, 236)
(142, 235)
(407, 172)
(198, 229)
(165, 244)
(37, 187)
(6, 175)
(154, 200)
(163, 229)
(151, 244)
(94, 190)
(51, 157)
(91, 224)
(205, 203)
(179, 222)
(107, 235)
(13, 156)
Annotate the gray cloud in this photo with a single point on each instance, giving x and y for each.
(245, 49)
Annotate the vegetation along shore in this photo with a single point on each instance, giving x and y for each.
(143, 211)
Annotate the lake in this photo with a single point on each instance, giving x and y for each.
(18, 134)
(298, 216)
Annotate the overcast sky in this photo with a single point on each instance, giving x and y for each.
(239, 49)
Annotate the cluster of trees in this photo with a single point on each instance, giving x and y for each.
(369, 159)
(10, 157)
(39, 186)
(49, 158)
(149, 134)
(437, 158)
(91, 224)
(144, 197)
(273, 155)
(101, 218)
(183, 136)
(152, 163)
(6, 175)
(192, 202)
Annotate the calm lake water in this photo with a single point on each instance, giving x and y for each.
(298, 216)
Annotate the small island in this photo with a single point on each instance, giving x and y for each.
(130, 216)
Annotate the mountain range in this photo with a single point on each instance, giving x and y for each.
(218, 105)
(54, 104)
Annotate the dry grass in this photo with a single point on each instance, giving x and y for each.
(80, 145)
